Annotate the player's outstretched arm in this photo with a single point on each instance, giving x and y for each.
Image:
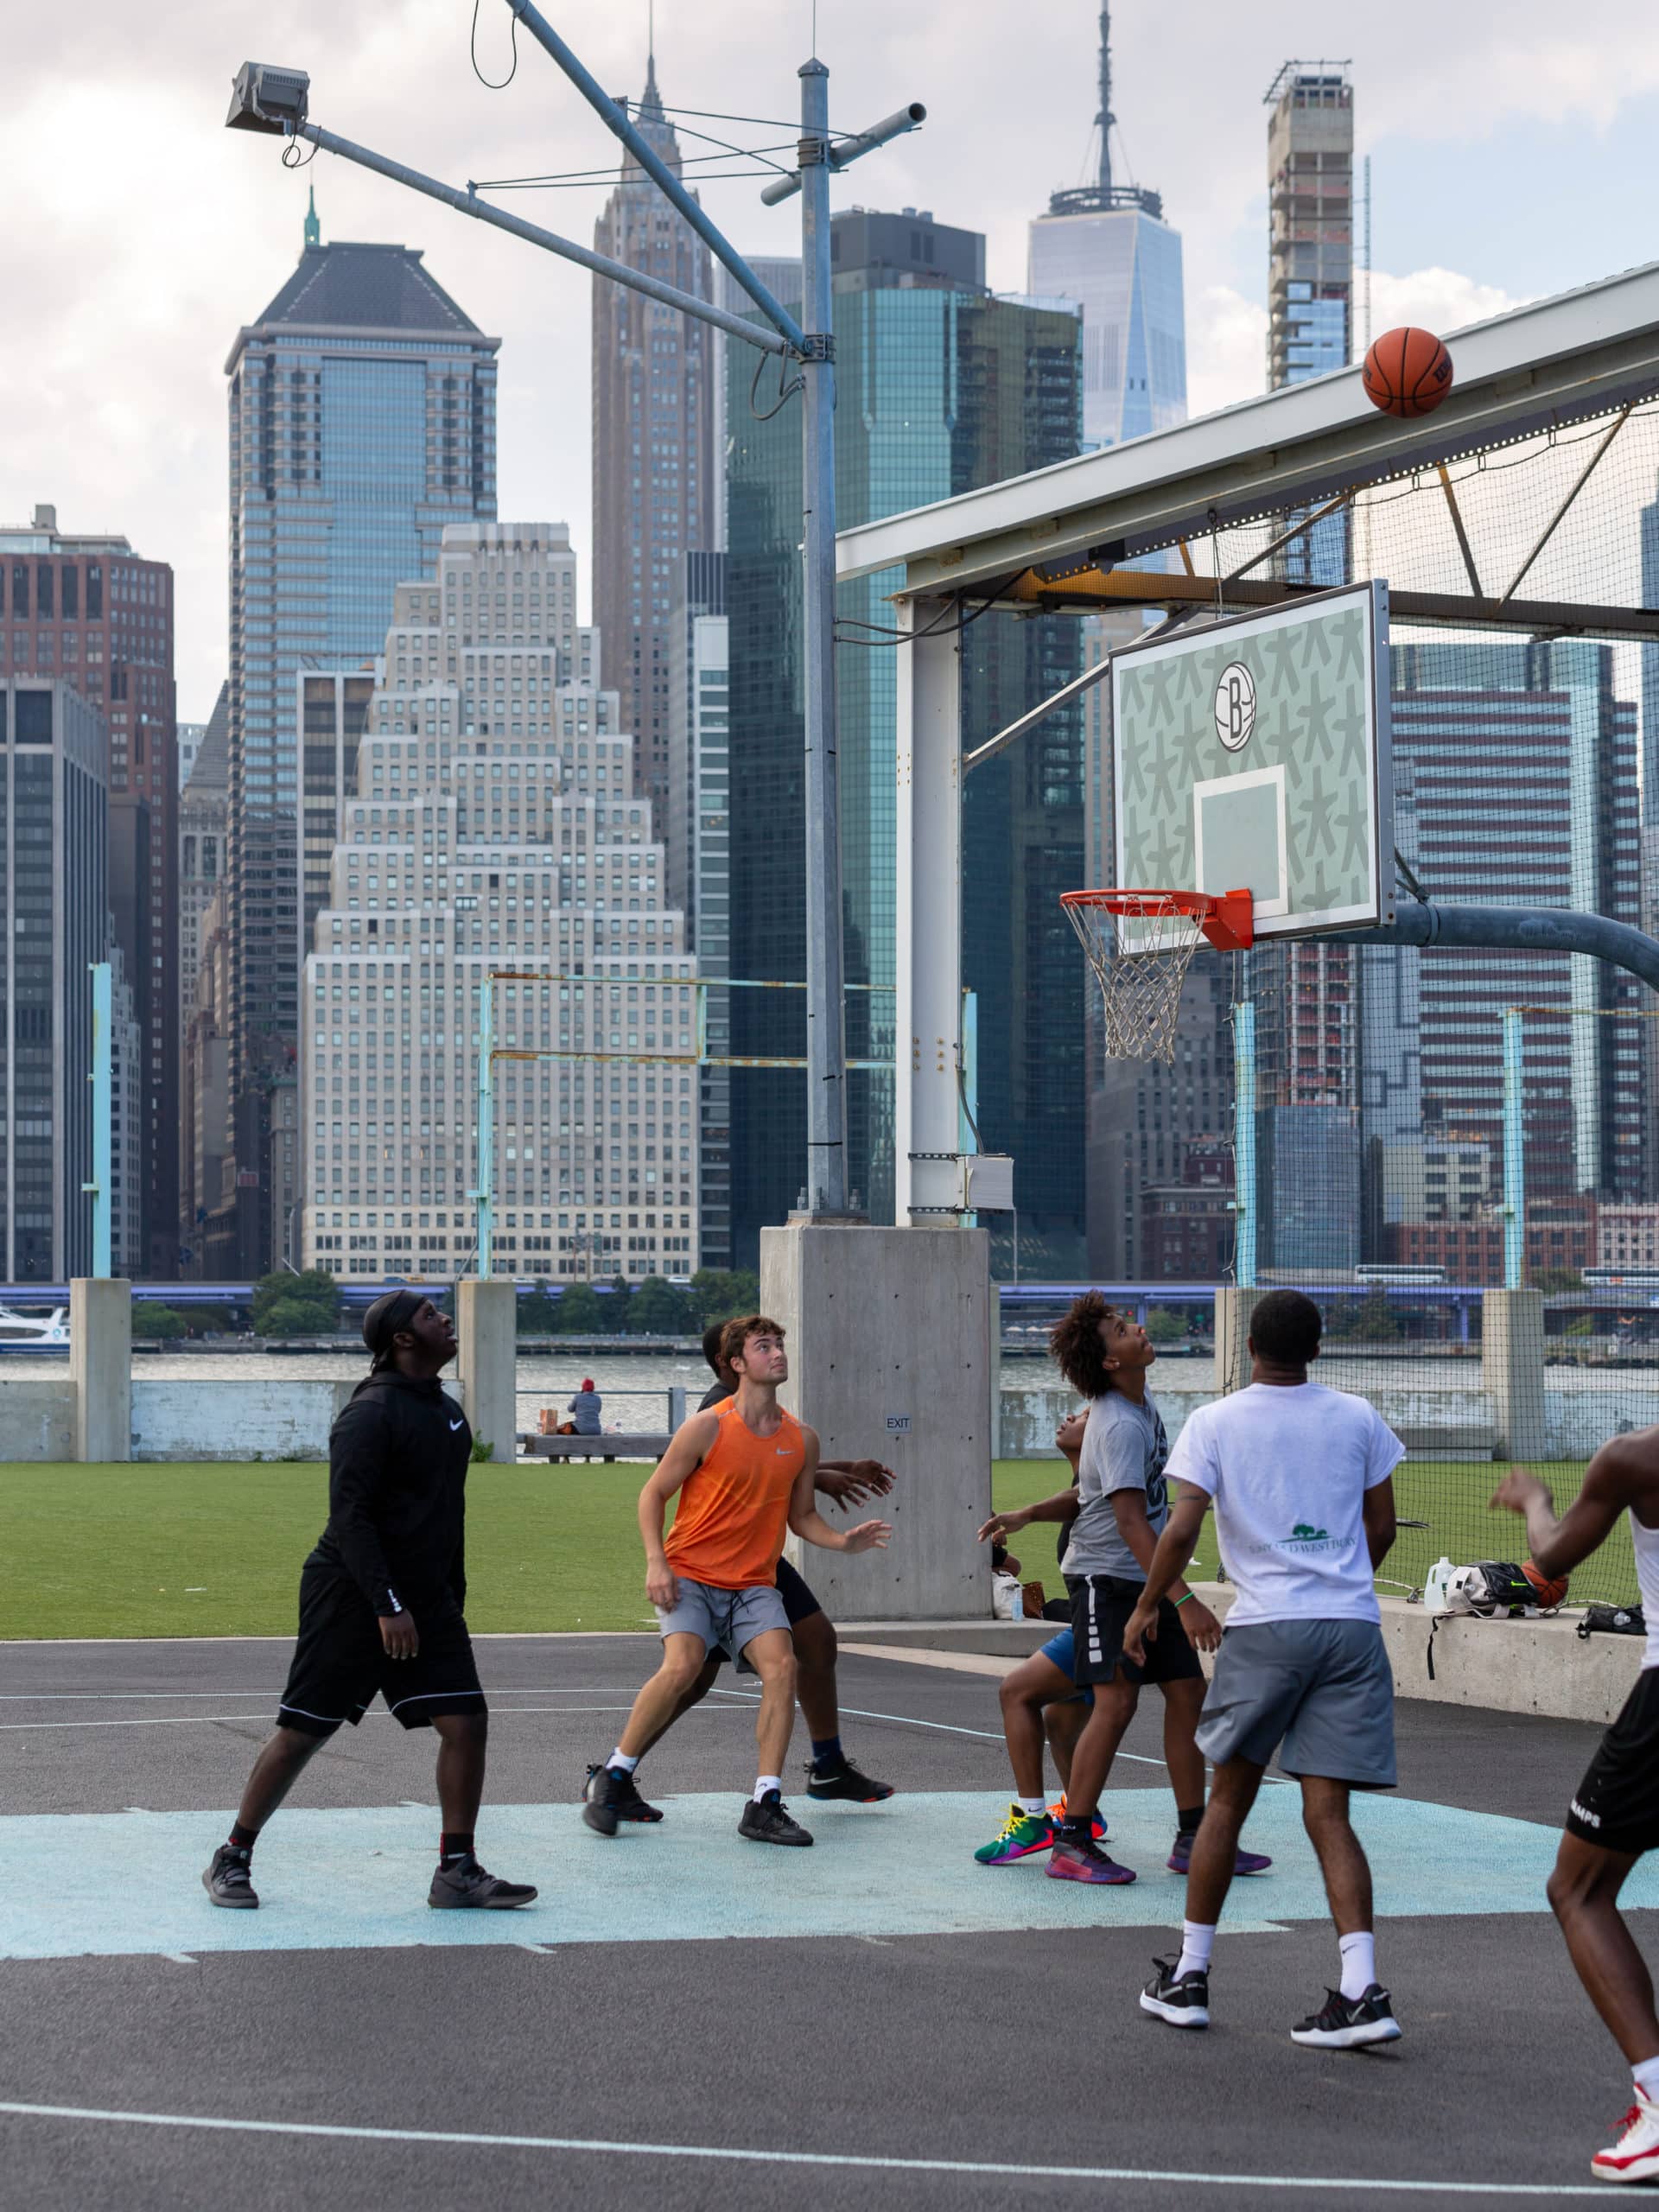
(1613, 1480)
(808, 1523)
(1063, 1506)
(850, 1482)
(691, 1439)
(1174, 1549)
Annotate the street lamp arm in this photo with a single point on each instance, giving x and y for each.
(850, 150)
(659, 171)
(468, 203)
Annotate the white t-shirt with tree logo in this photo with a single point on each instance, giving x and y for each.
(1288, 1466)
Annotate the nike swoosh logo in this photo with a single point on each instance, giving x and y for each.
(454, 1426)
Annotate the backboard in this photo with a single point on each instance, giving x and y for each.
(1254, 754)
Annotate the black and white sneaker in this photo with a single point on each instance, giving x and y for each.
(844, 1780)
(1183, 2001)
(1350, 2023)
(766, 1820)
(463, 1883)
(627, 1803)
(228, 1878)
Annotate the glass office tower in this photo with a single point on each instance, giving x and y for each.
(362, 420)
(941, 387)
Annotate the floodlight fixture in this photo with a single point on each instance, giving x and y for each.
(268, 98)
(850, 149)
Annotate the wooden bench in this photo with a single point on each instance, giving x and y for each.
(619, 1444)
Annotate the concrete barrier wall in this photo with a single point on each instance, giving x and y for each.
(37, 1419)
(271, 1420)
(1577, 1421)
(224, 1419)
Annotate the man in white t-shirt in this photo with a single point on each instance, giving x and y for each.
(1300, 1478)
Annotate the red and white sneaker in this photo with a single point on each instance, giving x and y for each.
(1634, 2156)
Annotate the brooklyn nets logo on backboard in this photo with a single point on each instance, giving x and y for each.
(1234, 706)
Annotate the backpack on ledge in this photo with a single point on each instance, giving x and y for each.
(1611, 1620)
(1491, 1589)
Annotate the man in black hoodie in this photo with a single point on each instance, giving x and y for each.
(380, 1603)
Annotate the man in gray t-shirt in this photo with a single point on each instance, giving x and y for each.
(1124, 1448)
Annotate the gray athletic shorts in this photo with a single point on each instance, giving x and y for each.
(1319, 1693)
(724, 1618)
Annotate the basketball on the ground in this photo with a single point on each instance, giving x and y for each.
(1549, 1593)
(1408, 371)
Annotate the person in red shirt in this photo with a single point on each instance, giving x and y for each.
(745, 1471)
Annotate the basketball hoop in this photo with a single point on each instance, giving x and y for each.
(1140, 944)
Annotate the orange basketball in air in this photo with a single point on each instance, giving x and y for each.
(1408, 371)
(1549, 1593)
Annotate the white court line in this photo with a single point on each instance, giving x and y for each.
(254, 1689)
(945, 1727)
(208, 1719)
(313, 2129)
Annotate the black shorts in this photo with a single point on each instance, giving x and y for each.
(1101, 1604)
(800, 1604)
(1616, 1804)
(339, 1661)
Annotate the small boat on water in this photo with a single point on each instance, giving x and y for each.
(34, 1332)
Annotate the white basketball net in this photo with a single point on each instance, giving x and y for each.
(1139, 959)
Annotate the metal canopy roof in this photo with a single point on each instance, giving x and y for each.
(1554, 362)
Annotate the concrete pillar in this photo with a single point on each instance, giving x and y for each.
(1234, 1307)
(100, 1366)
(1512, 1370)
(890, 1359)
(927, 1003)
(487, 1317)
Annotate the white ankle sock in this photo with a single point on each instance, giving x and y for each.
(1647, 2078)
(1033, 1805)
(619, 1757)
(1197, 1942)
(767, 1781)
(1358, 1963)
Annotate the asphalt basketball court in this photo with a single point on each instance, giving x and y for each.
(690, 2020)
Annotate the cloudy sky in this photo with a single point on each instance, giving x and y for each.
(1512, 152)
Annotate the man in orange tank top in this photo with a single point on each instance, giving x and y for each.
(745, 1471)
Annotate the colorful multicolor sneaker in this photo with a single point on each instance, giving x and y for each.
(1244, 1862)
(1022, 1833)
(1096, 1826)
(1079, 1859)
(1634, 2156)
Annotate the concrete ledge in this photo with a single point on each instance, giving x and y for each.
(620, 1446)
(1540, 1667)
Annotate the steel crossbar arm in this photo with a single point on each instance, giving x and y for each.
(849, 150)
(468, 203)
(612, 116)
(1516, 928)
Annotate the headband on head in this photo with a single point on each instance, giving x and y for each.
(385, 1318)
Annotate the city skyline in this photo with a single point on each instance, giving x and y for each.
(153, 463)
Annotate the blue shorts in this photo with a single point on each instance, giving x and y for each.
(1061, 1651)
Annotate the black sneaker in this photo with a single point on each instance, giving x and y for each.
(766, 1821)
(463, 1882)
(844, 1780)
(228, 1878)
(1183, 2001)
(1350, 2023)
(602, 1797)
(627, 1803)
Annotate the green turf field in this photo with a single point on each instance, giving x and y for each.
(195, 1549)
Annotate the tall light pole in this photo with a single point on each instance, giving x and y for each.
(276, 100)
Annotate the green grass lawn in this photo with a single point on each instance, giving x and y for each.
(195, 1549)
